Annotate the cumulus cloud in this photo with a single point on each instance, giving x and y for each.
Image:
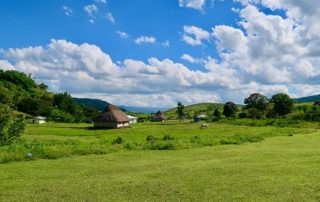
(265, 53)
(194, 36)
(67, 10)
(145, 39)
(194, 4)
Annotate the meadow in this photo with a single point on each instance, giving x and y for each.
(282, 167)
(57, 140)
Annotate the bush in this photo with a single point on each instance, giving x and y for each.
(11, 126)
(118, 140)
(151, 138)
(243, 115)
(313, 114)
(167, 137)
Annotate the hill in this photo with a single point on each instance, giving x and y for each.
(191, 110)
(98, 104)
(312, 98)
(21, 92)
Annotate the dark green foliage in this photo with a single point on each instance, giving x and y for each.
(61, 116)
(167, 137)
(118, 140)
(64, 102)
(180, 110)
(282, 104)
(313, 114)
(11, 126)
(151, 138)
(229, 110)
(256, 104)
(216, 115)
(17, 78)
(243, 115)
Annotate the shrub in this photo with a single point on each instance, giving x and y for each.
(167, 137)
(313, 114)
(151, 138)
(118, 140)
(243, 115)
(11, 126)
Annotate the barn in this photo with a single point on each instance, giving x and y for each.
(111, 117)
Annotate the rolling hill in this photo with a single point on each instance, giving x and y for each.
(312, 98)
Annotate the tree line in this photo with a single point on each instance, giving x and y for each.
(258, 106)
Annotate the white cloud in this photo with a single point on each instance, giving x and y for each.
(194, 4)
(166, 43)
(67, 10)
(194, 36)
(265, 53)
(110, 17)
(191, 59)
(91, 9)
(145, 39)
(123, 34)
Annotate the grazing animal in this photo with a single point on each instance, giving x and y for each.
(204, 126)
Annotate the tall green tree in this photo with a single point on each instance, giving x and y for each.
(256, 104)
(229, 110)
(282, 103)
(180, 110)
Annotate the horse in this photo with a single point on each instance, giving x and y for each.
(204, 126)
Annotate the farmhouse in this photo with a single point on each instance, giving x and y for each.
(132, 119)
(159, 116)
(37, 120)
(111, 117)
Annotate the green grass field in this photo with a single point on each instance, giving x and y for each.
(226, 162)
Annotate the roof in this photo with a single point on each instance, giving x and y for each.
(112, 114)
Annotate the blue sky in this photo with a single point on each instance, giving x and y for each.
(35, 22)
(158, 52)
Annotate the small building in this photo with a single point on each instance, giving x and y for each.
(159, 116)
(111, 117)
(38, 120)
(132, 119)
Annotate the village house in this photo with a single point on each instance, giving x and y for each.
(132, 119)
(159, 116)
(37, 120)
(111, 117)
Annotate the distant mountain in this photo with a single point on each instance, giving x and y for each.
(312, 98)
(100, 105)
(146, 110)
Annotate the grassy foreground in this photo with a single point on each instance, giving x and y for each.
(277, 169)
(53, 141)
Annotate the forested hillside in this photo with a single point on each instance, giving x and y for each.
(22, 93)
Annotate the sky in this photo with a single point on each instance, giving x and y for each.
(154, 53)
